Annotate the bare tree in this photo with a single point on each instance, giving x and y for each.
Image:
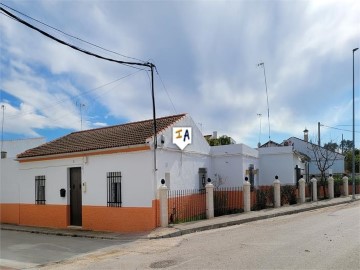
(324, 159)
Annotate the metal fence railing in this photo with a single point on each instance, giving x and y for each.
(186, 205)
(228, 200)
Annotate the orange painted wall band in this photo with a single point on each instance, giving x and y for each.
(9, 213)
(119, 219)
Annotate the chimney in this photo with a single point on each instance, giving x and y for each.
(214, 136)
(306, 135)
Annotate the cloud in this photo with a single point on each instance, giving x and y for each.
(207, 56)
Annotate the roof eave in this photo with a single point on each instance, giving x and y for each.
(112, 150)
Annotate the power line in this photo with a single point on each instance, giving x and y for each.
(338, 128)
(69, 35)
(130, 64)
(72, 97)
(157, 72)
(126, 63)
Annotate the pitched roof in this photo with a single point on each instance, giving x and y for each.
(134, 133)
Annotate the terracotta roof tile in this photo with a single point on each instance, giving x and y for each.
(134, 133)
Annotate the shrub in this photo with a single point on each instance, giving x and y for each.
(288, 194)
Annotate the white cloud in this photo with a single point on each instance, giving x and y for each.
(207, 55)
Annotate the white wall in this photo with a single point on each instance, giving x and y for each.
(230, 162)
(136, 179)
(280, 161)
(182, 165)
(9, 181)
(56, 177)
(10, 174)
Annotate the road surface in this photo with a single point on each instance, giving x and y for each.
(327, 238)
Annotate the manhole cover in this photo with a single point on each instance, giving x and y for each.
(163, 264)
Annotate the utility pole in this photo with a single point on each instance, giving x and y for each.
(353, 128)
(267, 96)
(2, 127)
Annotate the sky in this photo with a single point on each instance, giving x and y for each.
(206, 54)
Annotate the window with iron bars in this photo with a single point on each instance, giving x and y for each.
(114, 189)
(40, 189)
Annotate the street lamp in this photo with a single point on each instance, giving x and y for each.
(353, 131)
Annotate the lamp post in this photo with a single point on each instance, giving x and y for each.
(353, 131)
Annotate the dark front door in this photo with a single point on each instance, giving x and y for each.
(75, 197)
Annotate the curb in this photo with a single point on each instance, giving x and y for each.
(80, 233)
(247, 220)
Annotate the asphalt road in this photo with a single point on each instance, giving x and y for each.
(23, 249)
(326, 238)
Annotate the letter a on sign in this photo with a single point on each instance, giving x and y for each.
(182, 136)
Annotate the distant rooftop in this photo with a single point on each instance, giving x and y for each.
(15, 147)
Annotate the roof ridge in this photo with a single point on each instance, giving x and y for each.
(125, 124)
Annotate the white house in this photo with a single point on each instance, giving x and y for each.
(305, 147)
(282, 161)
(104, 179)
(9, 175)
(230, 164)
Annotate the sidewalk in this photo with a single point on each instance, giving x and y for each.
(235, 219)
(189, 227)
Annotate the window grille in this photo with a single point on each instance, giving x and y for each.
(40, 189)
(114, 189)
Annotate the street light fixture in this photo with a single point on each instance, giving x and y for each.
(353, 131)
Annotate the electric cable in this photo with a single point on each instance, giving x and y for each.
(13, 116)
(69, 35)
(163, 85)
(339, 128)
(126, 63)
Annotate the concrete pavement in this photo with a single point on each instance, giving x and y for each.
(189, 227)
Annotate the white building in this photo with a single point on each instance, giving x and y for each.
(10, 177)
(305, 147)
(282, 161)
(230, 164)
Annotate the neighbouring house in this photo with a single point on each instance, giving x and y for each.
(283, 161)
(232, 163)
(105, 178)
(293, 158)
(9, 175)
(13, 147)
(306, 147)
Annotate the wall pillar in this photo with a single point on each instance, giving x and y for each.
(209, 199)
(346, 185)
(314, 188)
(246, 190)
(277, 195)
(331, 186)
(163, 197)
(302, 189)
